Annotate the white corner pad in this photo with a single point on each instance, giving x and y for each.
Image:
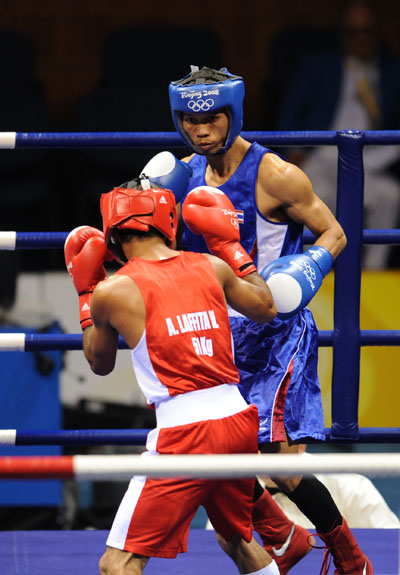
(8, 240)
(8, 436)
(8, 140)
(12, 341)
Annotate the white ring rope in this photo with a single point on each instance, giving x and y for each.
(123, 467)
(235, 466)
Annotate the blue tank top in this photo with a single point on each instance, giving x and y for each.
(263, 239)
(265, 354)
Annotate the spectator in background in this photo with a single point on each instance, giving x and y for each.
(355, 88)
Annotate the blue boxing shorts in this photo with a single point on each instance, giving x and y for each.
(278, 373)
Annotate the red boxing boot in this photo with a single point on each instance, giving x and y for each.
(286, 542)
(347, 555)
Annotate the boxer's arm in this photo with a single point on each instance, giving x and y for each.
(249, 295)
(294, 280)
(85, 251)
(286, 187)
(118, 309)
(100, 341)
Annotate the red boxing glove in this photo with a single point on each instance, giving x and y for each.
(85, 251)
(209, 212)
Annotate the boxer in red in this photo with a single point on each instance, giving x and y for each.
(170, 308)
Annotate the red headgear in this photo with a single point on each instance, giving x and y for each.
(128, 208)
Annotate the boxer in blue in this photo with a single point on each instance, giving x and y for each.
(278, 362)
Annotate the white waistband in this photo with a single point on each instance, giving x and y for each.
(211, 403)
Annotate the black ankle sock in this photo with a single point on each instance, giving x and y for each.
(314, 500)
(258, 491)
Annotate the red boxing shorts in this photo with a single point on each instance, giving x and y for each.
(154, 517)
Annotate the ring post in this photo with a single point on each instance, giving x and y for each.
(346, 333)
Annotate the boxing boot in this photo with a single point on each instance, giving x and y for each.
(285, 541)
(345, 552)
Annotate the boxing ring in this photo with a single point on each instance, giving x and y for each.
(65, 551)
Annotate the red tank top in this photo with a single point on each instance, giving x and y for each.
(187, 343)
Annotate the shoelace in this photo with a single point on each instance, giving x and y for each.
(326, 563)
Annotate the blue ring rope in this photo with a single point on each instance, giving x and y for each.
(139, 436)
(172, 139)
(64, 342)
(156, 139)
(51, 240)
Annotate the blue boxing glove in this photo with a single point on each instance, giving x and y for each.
(294, 280)
(169, 172)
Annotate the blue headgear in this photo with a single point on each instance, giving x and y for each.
(200, 92)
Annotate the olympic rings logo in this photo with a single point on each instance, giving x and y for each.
(201, 105)
(233, 216)
(309, 271)
(310, 274)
